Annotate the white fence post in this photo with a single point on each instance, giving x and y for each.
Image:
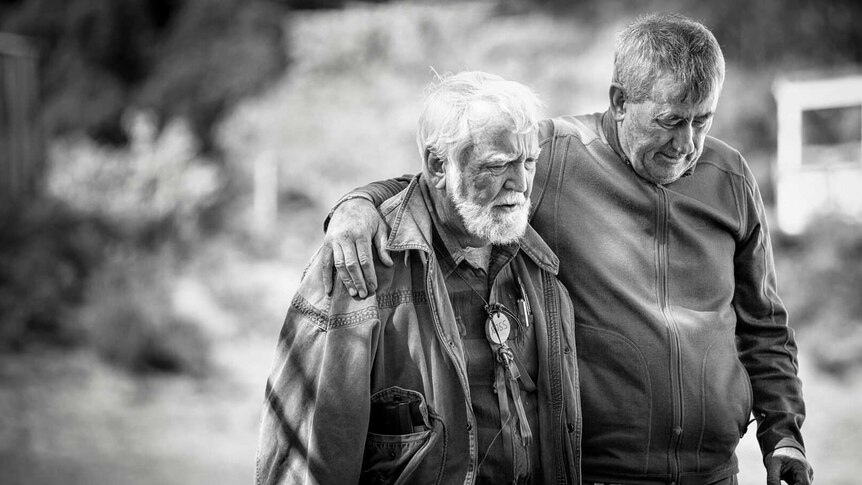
(807, 188)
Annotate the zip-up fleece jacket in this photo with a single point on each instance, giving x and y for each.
(680, 332)
(336, 355)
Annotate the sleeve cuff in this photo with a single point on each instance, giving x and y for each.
(788, 443)
(342, 200)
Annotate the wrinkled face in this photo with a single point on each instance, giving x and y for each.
(491, 191)
(663, 136)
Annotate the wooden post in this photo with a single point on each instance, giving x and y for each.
(22, 160)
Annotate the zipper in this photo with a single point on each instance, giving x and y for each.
(462, 373)
(675, 360)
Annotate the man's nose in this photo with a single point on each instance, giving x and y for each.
(683, 139)
(516, 177)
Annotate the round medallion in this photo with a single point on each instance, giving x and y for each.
(497, 328)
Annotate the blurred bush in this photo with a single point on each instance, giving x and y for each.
(193, 58)
(69, 279)
(214, 53)
(95, 263)
(154, 194)
(158, 188)
(821, 275)
(47, 252)
(128, 318)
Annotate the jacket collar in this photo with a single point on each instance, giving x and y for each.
(411, 226)
(611, 136)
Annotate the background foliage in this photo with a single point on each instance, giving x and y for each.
(190, 58)
(140, 299)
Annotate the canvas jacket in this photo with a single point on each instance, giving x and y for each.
(336, 355)
(681, 334)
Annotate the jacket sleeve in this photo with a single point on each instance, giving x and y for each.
(315, 414)
(767, 346)
(376, 192)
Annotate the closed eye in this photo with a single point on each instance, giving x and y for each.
(669, 123)
(701, 122)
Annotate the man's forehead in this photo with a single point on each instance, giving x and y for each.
(505, 143)
(683, 103)
(667, 89)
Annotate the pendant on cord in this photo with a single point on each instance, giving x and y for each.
(498, 327)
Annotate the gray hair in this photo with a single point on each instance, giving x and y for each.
(456, 105)
(662, 44)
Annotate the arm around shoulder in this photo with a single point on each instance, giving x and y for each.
(353, 227)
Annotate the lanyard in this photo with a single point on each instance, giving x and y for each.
(498, 327)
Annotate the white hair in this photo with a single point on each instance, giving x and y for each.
(458, 105)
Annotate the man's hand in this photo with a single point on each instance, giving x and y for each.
(347, 245)
(790, 465)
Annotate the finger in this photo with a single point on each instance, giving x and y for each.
(351, 264)
(366, 261)
(380, 239)
(773, 472)
(340, 267)
(801, 475)
(326, 267)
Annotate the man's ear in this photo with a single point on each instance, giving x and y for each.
(436, 169)
(617, 96)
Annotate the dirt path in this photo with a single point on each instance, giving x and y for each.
(81, 422)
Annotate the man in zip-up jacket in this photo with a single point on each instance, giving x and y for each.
(461, 368)
(666, 253)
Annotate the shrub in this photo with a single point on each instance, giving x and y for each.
(820, 280)
(161, 184)
(128, 318)
(191, 58)
(47, 252)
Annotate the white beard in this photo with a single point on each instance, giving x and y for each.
(482, 222)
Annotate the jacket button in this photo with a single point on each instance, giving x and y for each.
(567, 350)
(469, 426)
(570, 427)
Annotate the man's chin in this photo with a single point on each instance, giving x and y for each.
(665, 170)
(507, 232)
(497, 224)
(660, 176)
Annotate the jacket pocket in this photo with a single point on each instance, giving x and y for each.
(616, 400)
(726, 405)
(395, 458)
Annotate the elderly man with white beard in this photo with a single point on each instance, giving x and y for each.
(461, 367)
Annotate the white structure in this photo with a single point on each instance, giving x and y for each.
(816, 179)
